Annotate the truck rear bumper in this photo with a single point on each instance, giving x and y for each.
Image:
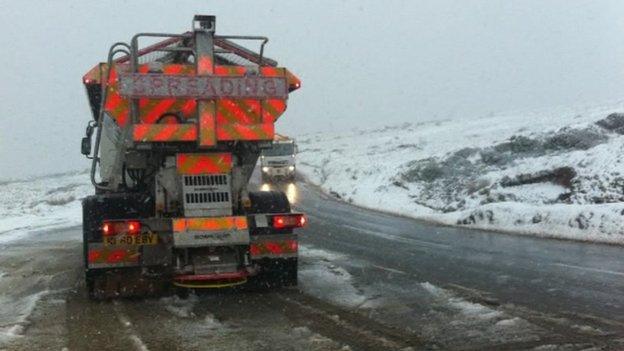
(274, 246)
(252, 234)
(212, 277)
(216, 280)
(210, 231)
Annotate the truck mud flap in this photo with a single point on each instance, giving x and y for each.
(123, 283)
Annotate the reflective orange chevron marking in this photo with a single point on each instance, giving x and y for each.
(237, 131)
(220, 119)
(274, 247)
(204, 65)
(213, 223)
(272, 109)
(207, 122)
(204, 163)
(164, 132)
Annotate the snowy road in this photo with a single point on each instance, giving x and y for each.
(368, 281)
(565, 291)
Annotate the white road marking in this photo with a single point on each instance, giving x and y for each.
(400, 239)
(589, 269)
(138, 343)
(125, 321)
(392, 270)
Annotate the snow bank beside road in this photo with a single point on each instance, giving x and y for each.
(550, 174)
(46, 202)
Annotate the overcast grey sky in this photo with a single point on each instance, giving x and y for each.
(361, 62)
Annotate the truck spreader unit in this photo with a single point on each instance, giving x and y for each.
(179, 125)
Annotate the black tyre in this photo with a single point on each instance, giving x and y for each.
(273, 272)
(268, 202)
(89, 224)
(95, 209)
(283, 272)
(181, 293)
(290, 275)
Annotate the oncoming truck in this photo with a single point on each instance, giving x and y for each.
(278, 161)
(179, 124)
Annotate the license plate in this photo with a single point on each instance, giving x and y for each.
(143, 239)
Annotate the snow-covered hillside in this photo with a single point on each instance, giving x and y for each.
(551, 174)
(46, 202)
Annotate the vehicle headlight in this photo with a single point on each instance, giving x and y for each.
(291, 168)
(265, 169)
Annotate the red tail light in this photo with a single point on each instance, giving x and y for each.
(110, 228)
(288, 221)
(293, 245)
(94, 255)
(254, 250)
(134, 227)
(116, 256)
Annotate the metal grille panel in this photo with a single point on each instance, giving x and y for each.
(207, 195)
(210, 180)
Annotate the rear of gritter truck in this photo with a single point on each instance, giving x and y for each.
(179, 124)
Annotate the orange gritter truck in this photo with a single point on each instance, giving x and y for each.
(179, 124)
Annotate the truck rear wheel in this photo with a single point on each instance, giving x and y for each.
(290, 272)
(274, 272)
(103, 283)
(90, 217)
(125, 282)
(280, 272)
(268, 202)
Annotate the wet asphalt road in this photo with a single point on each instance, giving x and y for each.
(553, 276)
(368, 281)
